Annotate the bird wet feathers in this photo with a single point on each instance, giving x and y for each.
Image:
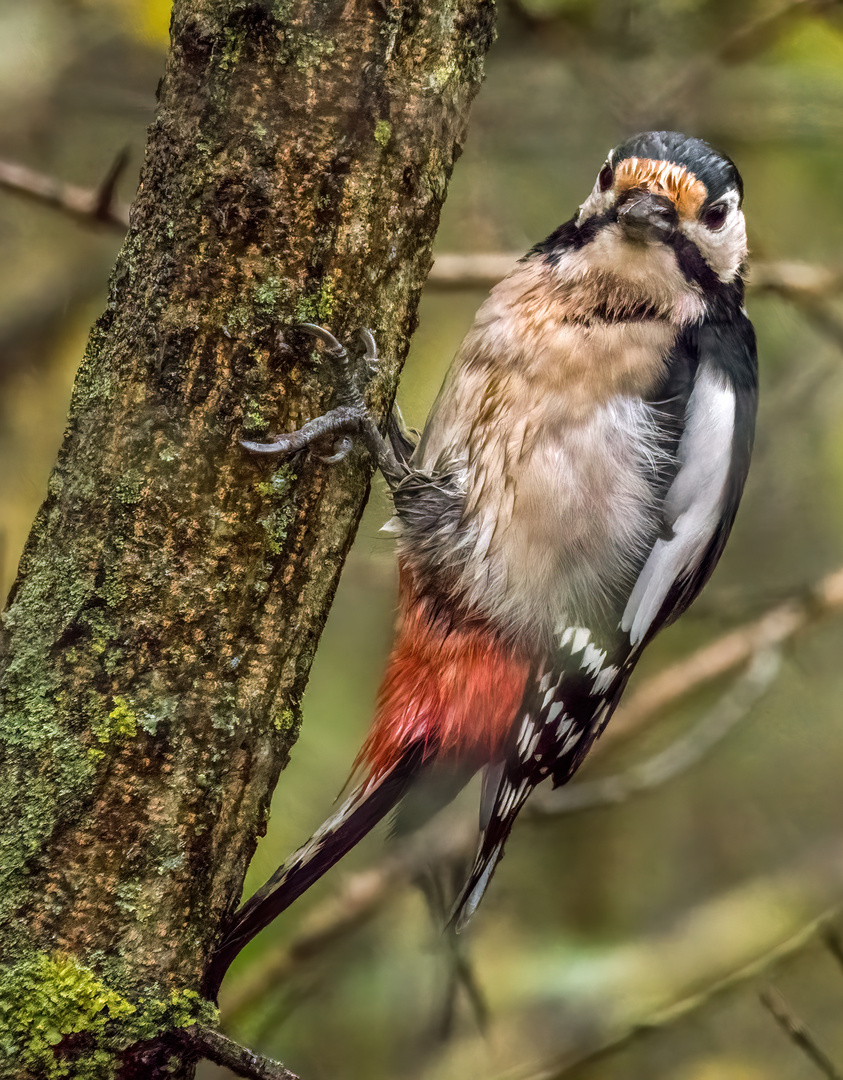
(570, 495)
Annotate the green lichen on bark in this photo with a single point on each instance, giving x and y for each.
(60, 1021)
(159, 636)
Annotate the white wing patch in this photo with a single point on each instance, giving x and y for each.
(605, 678)
(694, 503)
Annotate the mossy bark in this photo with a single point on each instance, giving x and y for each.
(161, 629)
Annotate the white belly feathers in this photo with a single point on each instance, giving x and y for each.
(569, 525)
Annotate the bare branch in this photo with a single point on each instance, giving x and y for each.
(795, 279)
(798, 1033)
(609, 1043)
(477, 271)
(832, 941)
(358, 899)
(677, 758)
(751, 38)
(724, 654)
(216, 1047)
(785, 277)
(97, 205)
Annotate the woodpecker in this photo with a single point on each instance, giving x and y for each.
(570, 495)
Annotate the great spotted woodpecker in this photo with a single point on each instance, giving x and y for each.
(571, 494)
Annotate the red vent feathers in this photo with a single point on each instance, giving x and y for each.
(458, 689)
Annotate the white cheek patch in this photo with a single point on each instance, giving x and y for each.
(598, 201)
(694, 503)
(725, 249)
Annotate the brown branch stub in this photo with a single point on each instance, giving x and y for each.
(834, 943)
(97, 205)
(798, 1033)
(104, 203)
(218, 1048)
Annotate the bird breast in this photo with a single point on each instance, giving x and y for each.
(544, 426)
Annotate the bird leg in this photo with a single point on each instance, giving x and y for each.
(350, 418)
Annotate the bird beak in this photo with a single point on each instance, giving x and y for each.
(644, 216)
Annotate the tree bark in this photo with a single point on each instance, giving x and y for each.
(161, 629)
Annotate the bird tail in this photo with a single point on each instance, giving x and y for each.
(507, 799)
(367, 804)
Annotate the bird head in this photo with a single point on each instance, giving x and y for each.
(664, 188)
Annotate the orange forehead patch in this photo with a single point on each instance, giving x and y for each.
(663, 178)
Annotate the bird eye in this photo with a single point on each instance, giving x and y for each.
(605, 177)
(715, 216)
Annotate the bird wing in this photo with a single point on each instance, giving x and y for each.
(567, 706)
(701, 502)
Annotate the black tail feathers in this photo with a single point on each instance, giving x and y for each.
(502, 804)
(360, 812)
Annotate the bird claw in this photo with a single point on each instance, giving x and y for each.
(277, 446)
(325, 336)
(350, 418)
(343, 448)
(336, 349)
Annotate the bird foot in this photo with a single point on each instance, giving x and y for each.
(336, 429)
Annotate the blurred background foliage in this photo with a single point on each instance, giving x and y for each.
(603, 923)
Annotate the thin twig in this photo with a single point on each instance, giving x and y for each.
(727, 653)
(613, 1041)
(752, 37)
(106, 193)
(358, 899)
(677, 758)
(215, 1047)
(97, 205)
(831, 940)
(798, 1033)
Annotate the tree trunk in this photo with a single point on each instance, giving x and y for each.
(161, 629)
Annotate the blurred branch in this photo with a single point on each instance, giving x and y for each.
(831, 940)
(810, 288)
(362, 895)
(605, 1042)
(98, 204)
(358, 899)
(755, 35)
(470, 271)
(724, 654)
(759, 33)
(215, 1047)
(655, 981)
(795, 280)
(798, 1033)
(678, 758)
(791, 279)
